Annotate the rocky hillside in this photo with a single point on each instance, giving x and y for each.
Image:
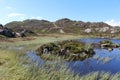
(33, 25)
(13, 32)
(64, 25)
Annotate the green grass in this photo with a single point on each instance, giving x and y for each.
(1, 36)
(37, 41)
(100, 76)
(50, 57)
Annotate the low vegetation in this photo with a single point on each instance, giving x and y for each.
(108, 44)
(70, 50)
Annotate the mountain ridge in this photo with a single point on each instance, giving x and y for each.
(63, 25)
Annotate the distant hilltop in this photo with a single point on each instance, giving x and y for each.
(62, 26)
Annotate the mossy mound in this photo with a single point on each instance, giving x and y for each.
(70, 50)
(108, 44)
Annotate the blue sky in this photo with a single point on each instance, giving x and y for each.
(86, 10)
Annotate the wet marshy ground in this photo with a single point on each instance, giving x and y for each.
(102, 60)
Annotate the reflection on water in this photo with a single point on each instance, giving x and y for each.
(103, 60)
(112, 63)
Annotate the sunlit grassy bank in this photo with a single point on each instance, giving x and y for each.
(34, 42)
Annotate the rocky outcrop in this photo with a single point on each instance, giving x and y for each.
(1, 26)
(10, 32)
(6, 32)
(88, 30)
(24, 33)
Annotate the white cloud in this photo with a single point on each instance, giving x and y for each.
(113, 22)
(37, 17)
(16, 15)
(9, 7)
